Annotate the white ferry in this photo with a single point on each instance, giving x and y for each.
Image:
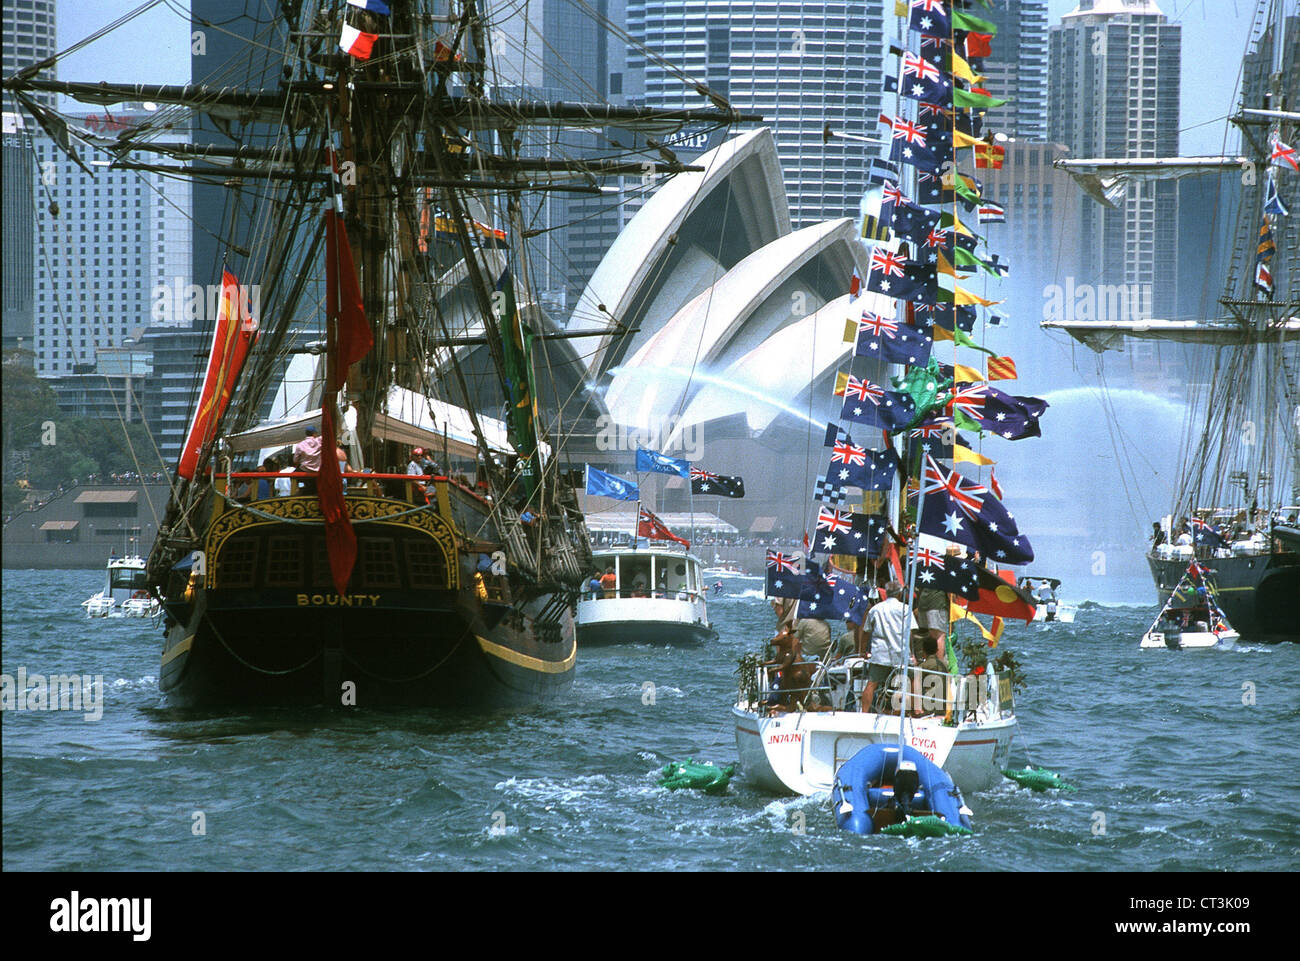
(648, 595)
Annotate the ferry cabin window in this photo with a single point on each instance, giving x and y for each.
(634, 576)
(132, 580)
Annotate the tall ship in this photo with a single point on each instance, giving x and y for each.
(383, 514)
(1236, 510)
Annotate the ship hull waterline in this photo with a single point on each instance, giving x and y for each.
(267, 648)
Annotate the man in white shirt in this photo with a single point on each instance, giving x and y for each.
(884, 625)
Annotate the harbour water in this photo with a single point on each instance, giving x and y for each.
(1184, 761)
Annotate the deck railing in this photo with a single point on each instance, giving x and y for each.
(839, 685)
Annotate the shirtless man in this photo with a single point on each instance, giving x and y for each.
(793, 677)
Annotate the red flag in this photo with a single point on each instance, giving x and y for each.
(340, 539)
(355, 337)
(652, 528)
(350, 338)
(978, 45)
(994, 486)
(233, 336)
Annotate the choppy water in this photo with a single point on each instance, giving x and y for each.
(1174, 771)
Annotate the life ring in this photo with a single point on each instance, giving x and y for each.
(140, 594)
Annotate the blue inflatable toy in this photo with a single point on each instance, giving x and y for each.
(871, 792)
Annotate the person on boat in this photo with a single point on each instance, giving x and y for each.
(932, 612)
(793, 676)
(306, 457)
(265, 485)
(931, 685)
(1184, 536)
(814, 636)
(594, 585)
(639, 584)
(886, 630)
(609, 581)
(1157, 534)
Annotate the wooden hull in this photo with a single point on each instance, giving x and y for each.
(435, 650)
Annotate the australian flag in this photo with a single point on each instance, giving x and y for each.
(922, 80)
(945, 316)
(831, 597)
(716, 485)
(917, 145)
(952, 575)
(844, 532)
(865, 403)
(934, 438)
(854, 466)
(891, 341)
(1003, 414)
(929, 17)
(960, 510)
(1205, 535)
(909, 220)
(893, 275)
(784, 577)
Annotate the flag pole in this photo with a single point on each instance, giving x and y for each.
(910, 575)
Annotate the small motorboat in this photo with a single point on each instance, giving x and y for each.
(885, 788)
(1191, 618)
(1047, 608)
(125, 594)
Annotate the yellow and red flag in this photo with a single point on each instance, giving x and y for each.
(233, 335)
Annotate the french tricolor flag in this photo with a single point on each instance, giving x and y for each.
(374, 6)
(357, 42)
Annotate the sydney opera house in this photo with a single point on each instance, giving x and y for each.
(714, 329)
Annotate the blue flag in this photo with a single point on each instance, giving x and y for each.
(844, 532)
(652, 460)
(602, 484)
(784, 577)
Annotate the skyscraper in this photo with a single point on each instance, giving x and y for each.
(105, 241)
(802, 66)
(1018, 68)
(1114, 70)
(29, 37)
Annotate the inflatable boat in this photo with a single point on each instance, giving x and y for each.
(874, 791)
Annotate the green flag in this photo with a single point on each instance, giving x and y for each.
(965, 21)
(969, 98)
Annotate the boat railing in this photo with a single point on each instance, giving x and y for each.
(411, 486)
(839, 685)
(671, 595)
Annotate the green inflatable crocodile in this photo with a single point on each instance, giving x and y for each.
(705, 777)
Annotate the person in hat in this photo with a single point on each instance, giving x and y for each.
(416, 466)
